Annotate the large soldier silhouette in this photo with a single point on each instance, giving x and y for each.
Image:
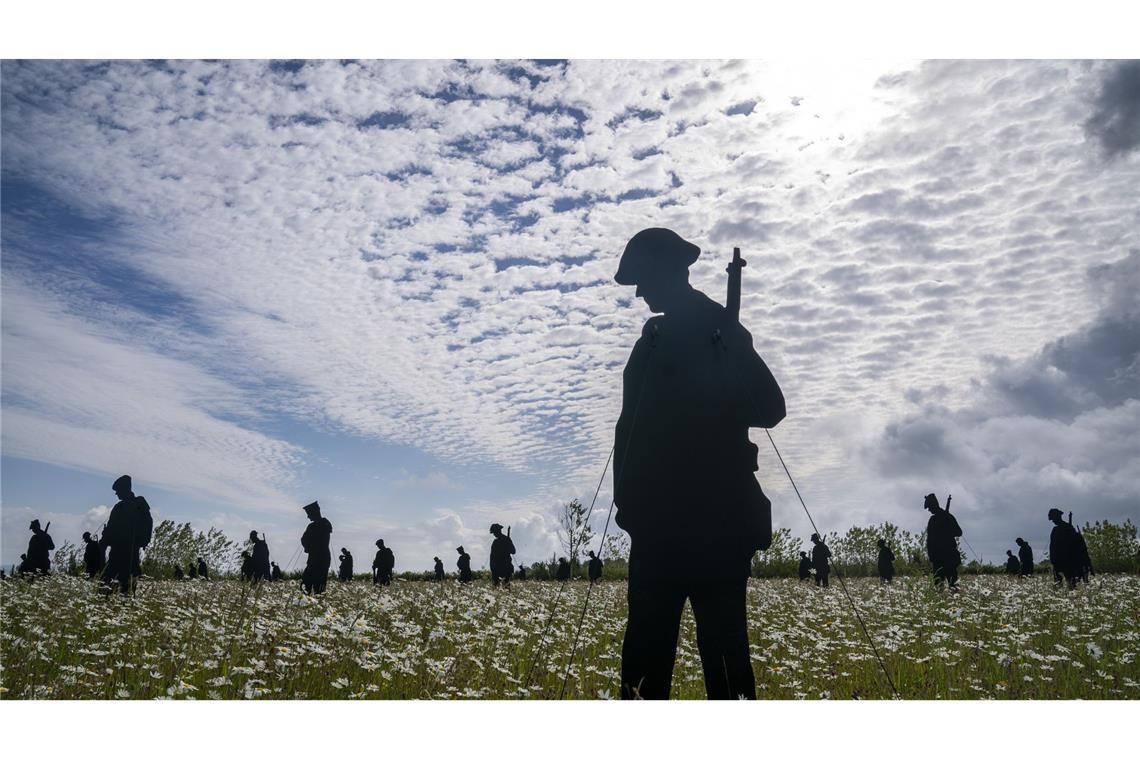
(501, 550)
(1063, 550)
(315, 542)
(692, 388)
(127, 531)
(942, 532)
(383, 564)
(39, 546)
(1024, 558)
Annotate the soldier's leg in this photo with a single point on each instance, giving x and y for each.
(721, 614)
(650, 645)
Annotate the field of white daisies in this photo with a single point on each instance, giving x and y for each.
(997, 639)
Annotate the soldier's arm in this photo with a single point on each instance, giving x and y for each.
(766, 406)
(633, 379)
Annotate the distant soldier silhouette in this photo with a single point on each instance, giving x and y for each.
(1084, 561)
(128, 530)
(521, 574)
(594, 568)
(820, 556)
(345, 573)
(1012, 565)
(23, 567)
(315, 542)
(692, 388)
(178, 575)
(246, 566)
(191, 570)
(94, 557)
(563, 571)
(805, 567)
(203, 571)
(438, 569)
(275, 572)
(501, 550)
(941, 545)
(259, 558)
(383, 564)
(1025, 558)
(886, 562)
(39, 560)
(464, 565)
(1063, 552)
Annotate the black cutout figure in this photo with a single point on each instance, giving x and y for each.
(594, 568)
(464, 565)
(128, 530)
(192, 570)
(345, 572)
(501, 550)
(246, 566)
(1084, 561)
(1024, 558)
(563, 571)
(203, 571)
(692, 388)
(820, 560)
(886, 562)
(521, 574)
(383, 564)
(315, 541)
(1063, 550)
(23, 567)
(94, 557)
(275, 572)
(942, 532)
(39, 546)
(178, 575)
(805, 567)
(438, 569)
(1012, 565)
(259, 558)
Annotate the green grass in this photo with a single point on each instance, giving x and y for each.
(221, 640)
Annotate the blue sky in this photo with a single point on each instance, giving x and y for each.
(388, 286)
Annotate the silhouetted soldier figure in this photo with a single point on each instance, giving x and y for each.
(258, 558)
(315, 542)
(563, 571)
(438, 569)
(383, 564)
(127, 531)
(941, 545)
(1025, 557)
(501, 550)
(805, 567)
(1063, 549)
(178, 575)
(275, 572)
(39, 560)
(1084, 561)
(464, 565)
(521, 574)
(93, 556)
(246, 566)
(191, 570)
(594, 568)
(886, 562)
(203, 571)
(1012, 565)
(820, 555)
(23, 567)
(692, 388)
(345, 573)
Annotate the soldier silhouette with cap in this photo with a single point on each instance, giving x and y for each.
(94, 557)
(315, 541)
(942, 532)
(275, 572)
(128, 530)
(178, 574)
(345, 573)
(1024, 558)
(246, 566)
(820, 560)
(1012, 565)
(259, 558)
(594, 568)
(563, 571)
(203, 571)
(192, 570)
(1063, 549)
(383, 564)
(464, 565)
(886, 562)
(501, 550)
(438, 569)
(692, 388)
(805, 567)
(23, 567)
(39, 546)
(1084, 561)
(521, 574)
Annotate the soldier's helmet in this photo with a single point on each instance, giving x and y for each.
(86, 535)
(930, 502)
(459, 549)
(496, 527)
(380, 543)
(123, 483)
(313, 508)
(1054, 512)
(35, 525)
(654, 250)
